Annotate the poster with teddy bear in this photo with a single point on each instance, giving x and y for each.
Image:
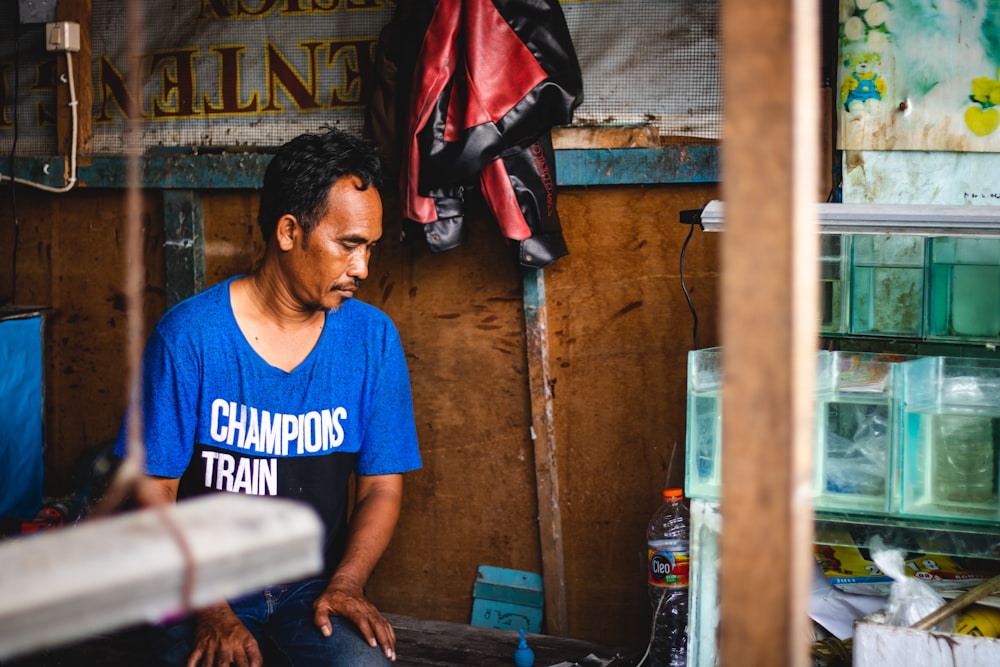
(919, 75)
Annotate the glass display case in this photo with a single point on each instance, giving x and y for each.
(950, 427)
(964, 289)
(887, 285)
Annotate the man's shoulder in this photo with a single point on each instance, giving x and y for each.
(195, 312)
(363, 312)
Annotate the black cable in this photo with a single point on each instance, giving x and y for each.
(687, 295)
(10, 161)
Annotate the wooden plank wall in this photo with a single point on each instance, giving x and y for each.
(473, 503)
(619, 332)
(70, 259)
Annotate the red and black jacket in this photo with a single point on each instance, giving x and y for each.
(491, 79)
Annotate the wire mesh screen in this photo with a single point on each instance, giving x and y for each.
(229, 74)
(653, 62)
(28, 80)
(225, 74)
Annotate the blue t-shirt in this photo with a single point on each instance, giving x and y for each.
(220, 418)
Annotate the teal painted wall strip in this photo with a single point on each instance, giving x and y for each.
(184, 244)
(195, 172)
(605, 166)
(635, 166)
(206, 172)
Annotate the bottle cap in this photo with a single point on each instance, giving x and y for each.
(670, 495)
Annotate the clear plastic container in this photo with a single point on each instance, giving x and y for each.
(856, 432)
(703, 469)
(887, 285)
(964, 289)
(951, 439)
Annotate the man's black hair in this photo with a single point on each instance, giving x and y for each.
(302, 172)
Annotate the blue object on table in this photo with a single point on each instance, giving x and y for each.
(523, 656)
(507, 599)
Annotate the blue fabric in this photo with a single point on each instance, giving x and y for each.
(281, 618)
(220, 418)
(21, 468)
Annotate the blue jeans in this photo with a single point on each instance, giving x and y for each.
(281, 619)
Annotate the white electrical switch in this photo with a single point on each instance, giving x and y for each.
(62, 36)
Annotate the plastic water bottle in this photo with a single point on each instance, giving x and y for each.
(668, 567)
(965, 459)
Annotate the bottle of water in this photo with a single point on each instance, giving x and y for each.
(965, 459)
(667, 546)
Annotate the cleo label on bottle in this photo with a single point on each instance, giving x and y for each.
(667, 568)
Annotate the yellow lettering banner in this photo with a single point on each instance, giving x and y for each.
(230, 73)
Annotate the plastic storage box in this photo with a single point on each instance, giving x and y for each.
(887, 285)
(856, 432)
(877, 644)
(703, 469)
(507, 599)
(950, 424)
(964, 289)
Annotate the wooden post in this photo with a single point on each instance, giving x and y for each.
(543, 435)
(769, 312)
(183, 244)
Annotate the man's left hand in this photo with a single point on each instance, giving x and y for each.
(345, 598)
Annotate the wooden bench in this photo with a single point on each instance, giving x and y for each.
(422, 643)
(419, 643)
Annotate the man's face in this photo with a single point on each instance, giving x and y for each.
(324, 270)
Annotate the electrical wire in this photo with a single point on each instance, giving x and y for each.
(687, 295)
(11, 158)
(652, 630)
(73, 104)
(15, 245)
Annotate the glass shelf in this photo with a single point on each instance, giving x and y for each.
(951, 538)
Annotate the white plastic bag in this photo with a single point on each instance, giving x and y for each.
(910, 599)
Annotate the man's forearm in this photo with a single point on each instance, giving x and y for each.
(153, 491)
(376, 512)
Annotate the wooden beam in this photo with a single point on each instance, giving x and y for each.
(183, 244)
(769, 306)
(424, 643)
(543, 435)
(149, 565)
(207, 171)
(620, 166)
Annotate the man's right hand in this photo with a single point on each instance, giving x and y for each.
(221, 640)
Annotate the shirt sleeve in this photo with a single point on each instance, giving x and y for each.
(169, 409)
(389, 445)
